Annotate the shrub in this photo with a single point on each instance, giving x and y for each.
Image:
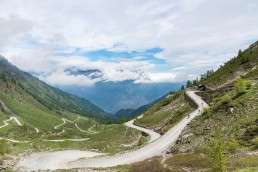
(242, 86)
(221, 101)
(244, 59)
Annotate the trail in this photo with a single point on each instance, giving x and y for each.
(62, 140)
(155, 148)
(89, 131)
(37, 130)
(14, 141)
(11, 118)
(154, 135)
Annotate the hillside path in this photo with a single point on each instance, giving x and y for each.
(154, 135)
(11, 118)
(155, 148)
(73, 122)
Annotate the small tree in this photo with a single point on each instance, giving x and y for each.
(182, 87)
(188, 84)
(216, 150)
(239, 52)
(122, 119)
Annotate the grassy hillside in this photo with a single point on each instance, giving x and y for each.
(162, 115)
(244, 63)
(225, 136)
(50, 97)
(51, 119)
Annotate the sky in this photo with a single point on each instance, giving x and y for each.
(147, 41)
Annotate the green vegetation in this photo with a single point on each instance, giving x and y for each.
(40, 107)
(216, 149)
(166, 113)
(49, 97)
(4, 148)
(191, 161)
(242, 86)
(233, 112)
(150, 166)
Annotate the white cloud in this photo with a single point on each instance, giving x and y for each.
(194, 35)
(139, 71)
(61, 78)
(13, 30)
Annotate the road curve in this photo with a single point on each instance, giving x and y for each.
(11, 118)
(152, 149)
(154, 135)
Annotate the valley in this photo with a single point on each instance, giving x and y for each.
(155, 148)
(174, 133)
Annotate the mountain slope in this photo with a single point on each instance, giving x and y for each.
(228, 129)
(50, 97)
(36, 117)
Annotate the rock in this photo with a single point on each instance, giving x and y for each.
(184, 138)
(231, 110)
(182, 150)
(207, 128)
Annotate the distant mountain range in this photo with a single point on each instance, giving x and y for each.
(114, 96)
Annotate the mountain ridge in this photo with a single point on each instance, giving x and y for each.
(51, 97)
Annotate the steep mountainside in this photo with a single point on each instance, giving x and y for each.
(50, 97)
(225, 136)
(132, 113)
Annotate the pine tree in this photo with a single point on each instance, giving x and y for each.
(239, 52)
(188, 84)
(216, 149)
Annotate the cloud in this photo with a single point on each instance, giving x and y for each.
(193, 36)
(83, 69)
(13, 30)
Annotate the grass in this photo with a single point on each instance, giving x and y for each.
(251, 169)
(157, 119)
(34, 115)
(243, 162)
(233, 67)
(191, 161)
(109, 140)
(31, 112)
(148, 166)
(166, 113)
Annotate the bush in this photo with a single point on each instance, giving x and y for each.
(206, 113)
(221, 101)
(244, 59)
(242, 86)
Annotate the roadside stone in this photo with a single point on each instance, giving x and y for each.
(207, 128)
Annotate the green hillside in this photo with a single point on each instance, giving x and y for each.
(50, 97)
(36, 117)
(225, 136)
(164, 114)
